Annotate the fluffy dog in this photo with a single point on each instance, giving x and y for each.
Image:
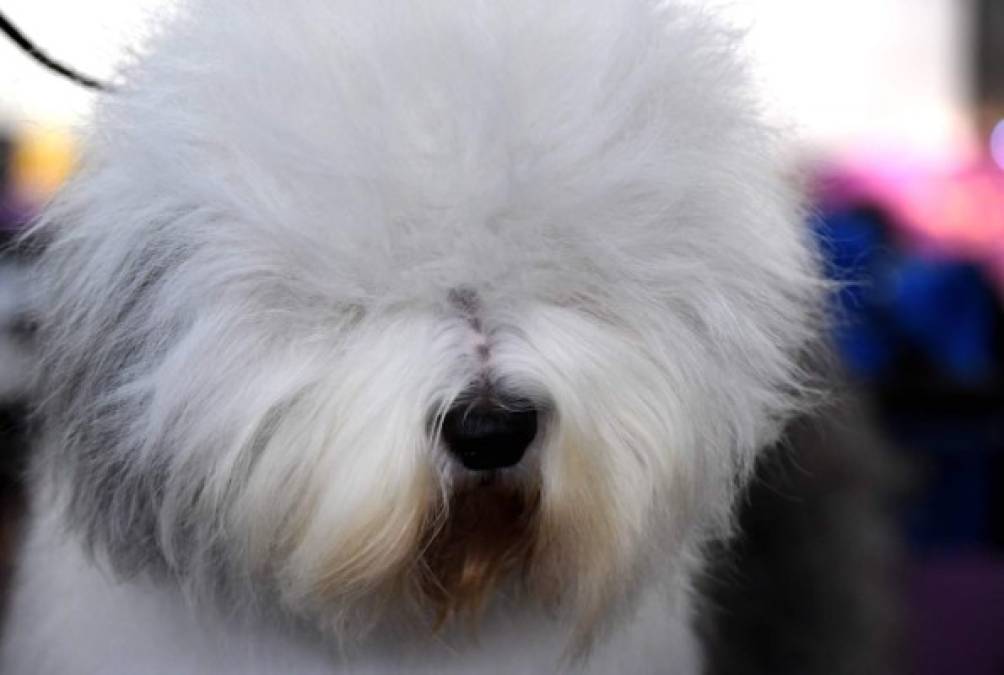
(389, 336)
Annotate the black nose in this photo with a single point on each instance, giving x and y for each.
(486, 436)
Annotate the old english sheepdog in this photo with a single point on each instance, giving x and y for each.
(388, 336)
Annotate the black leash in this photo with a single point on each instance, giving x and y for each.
(11, 31)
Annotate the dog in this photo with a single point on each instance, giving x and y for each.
(408, 337)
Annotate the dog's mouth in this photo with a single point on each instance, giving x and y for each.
(454, 542)
(483, 532)
(484, 538)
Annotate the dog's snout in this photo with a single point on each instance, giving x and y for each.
(485, 436)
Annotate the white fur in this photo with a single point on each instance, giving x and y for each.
(250, 327)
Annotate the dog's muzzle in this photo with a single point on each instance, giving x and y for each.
(490, 435)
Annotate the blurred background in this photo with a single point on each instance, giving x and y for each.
(896, 110)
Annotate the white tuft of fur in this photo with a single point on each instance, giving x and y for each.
(253, 327)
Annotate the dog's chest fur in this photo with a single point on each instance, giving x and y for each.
(136, 627)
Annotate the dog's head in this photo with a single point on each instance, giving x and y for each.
(368, 303)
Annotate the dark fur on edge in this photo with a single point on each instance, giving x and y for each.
(810, 586)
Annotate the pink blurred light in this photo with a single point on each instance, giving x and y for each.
(955, 211)
(997, 144)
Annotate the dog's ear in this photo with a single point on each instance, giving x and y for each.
(89, 293)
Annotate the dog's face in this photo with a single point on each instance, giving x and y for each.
(364, 304)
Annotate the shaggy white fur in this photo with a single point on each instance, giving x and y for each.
(302, 232)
